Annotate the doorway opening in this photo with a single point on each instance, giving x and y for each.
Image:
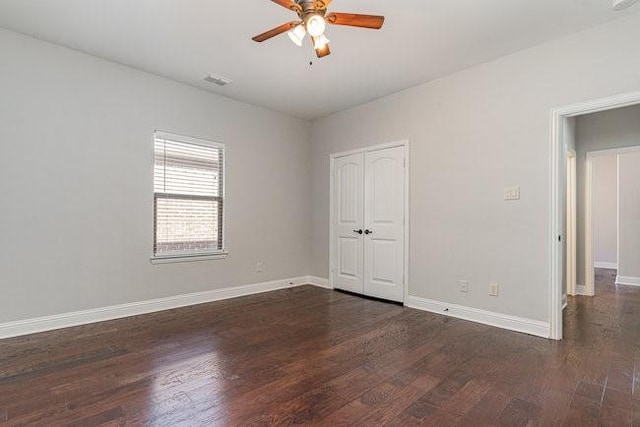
(562, 252)
(601, 226)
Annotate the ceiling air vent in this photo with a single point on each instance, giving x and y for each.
(217, 80)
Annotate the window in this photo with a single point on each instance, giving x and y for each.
(188, 197)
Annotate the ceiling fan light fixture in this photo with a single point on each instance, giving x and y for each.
(314, 20)
(315, 25)
(320, 42)
(297, 34)
(622, 4)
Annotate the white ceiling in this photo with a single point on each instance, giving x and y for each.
(185, 40)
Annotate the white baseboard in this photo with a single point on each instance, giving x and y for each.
(608, 265)
(627, 280)
(505, 321)
(65, 320)
(319, 281)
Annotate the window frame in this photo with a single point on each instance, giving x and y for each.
(189, 257)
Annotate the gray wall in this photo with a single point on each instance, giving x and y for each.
(605, 209)
(629, 259)
(472, 134)
(600, 131)
(76, 158)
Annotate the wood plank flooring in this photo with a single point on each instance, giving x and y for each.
(313, 356)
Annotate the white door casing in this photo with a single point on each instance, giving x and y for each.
(384, 220)
(570, 242)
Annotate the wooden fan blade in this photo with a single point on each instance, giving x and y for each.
(322, 51)
(274, 32)
(289, 4)
(354, 20)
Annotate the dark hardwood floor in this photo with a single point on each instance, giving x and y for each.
(313, 356)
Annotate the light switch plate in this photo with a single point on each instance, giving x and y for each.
(512, 193)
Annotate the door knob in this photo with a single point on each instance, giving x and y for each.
(368, 232)
(358, 231)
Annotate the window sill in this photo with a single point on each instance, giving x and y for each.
(187, 258)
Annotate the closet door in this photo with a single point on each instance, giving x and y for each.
(384, 222)
(348, 220)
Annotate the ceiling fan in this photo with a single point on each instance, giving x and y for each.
(313, 18)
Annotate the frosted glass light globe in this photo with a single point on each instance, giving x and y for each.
(316, 25)
(297, 34)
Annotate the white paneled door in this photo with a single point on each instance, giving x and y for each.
(369, 223)
(384, 223)
(348, 223)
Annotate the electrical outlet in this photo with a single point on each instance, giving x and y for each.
(493, 289)
(259, 267)
(463, 286)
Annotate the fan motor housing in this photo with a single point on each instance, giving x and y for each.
(311, 6)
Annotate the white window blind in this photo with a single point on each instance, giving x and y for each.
(188, 196)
